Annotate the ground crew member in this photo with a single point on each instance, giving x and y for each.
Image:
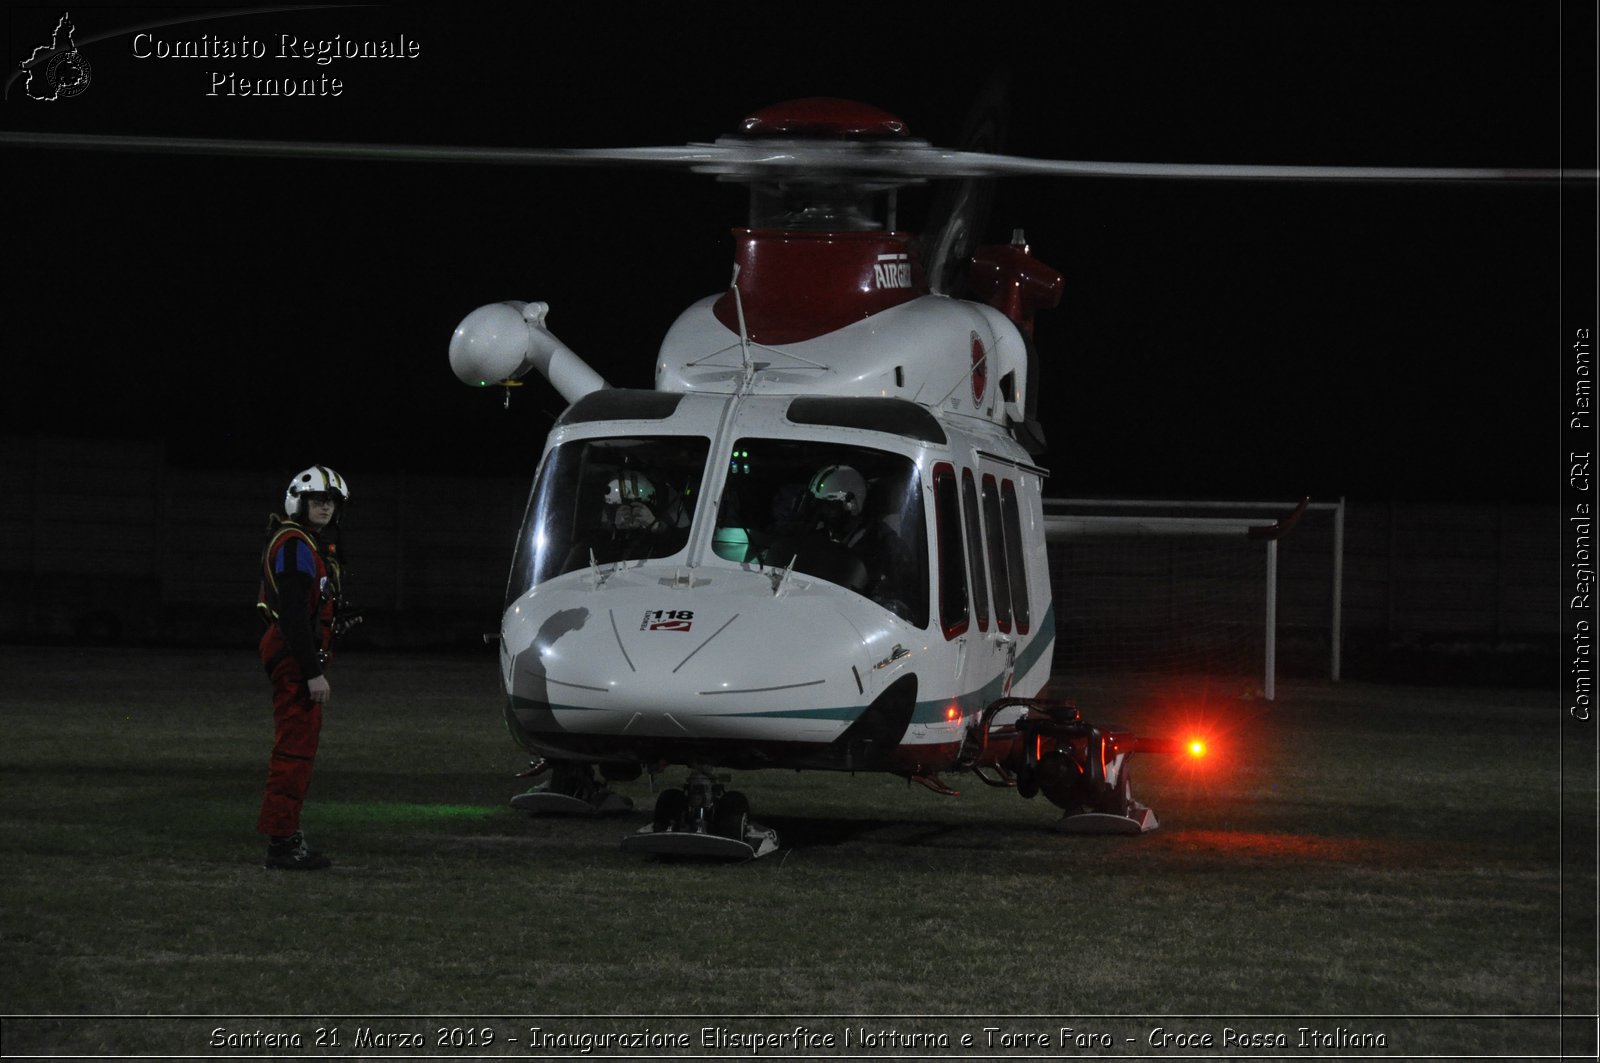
(299, 601)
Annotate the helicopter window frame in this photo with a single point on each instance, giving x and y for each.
(954, 610)
(571, 483)
(767, 517)
(977, 582)
(999, 568)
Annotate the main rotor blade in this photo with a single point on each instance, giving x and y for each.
(1006, 165)
(684, 156)
(782, 159)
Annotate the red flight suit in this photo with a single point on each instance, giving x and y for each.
(299, 597)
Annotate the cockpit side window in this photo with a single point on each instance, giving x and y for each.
(846, 514)
(610, 500)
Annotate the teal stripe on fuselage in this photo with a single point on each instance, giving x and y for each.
(845, 712)
(975, 701)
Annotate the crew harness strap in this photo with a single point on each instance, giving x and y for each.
(267, 601)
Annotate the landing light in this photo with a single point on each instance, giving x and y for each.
(1196, 748)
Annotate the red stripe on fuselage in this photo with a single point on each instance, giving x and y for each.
(797, 286)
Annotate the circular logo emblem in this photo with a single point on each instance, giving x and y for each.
(980, 370)
(68, 74)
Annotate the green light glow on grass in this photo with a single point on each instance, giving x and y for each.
(398, 813)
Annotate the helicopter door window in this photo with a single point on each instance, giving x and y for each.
(980, 585)
(997, 556)
(610, 500)
(1014, 557)
(848, 515)
(952, 565)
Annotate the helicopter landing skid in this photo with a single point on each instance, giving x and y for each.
(648, 841)
(1138, 821)
(571, 790)
(543, 802)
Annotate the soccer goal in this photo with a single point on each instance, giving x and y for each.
(1194, 588)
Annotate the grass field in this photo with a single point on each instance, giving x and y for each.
(1351, 851)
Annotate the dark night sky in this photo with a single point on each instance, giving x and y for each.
(1400, 341)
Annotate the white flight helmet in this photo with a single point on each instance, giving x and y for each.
(629, 486)
(319, 479)
(840, 483)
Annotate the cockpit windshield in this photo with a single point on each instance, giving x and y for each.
(608, 500)
(845, 514)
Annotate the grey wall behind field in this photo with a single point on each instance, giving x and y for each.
(110, 542)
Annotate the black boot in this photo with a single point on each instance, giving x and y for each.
(292, 854)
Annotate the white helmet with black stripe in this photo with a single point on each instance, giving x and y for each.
(629, 485)
(319, 480)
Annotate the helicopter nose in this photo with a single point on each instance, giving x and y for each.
(737, 670)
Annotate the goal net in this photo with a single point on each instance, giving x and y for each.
(1166, 594)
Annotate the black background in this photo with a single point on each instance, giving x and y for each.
(1215, 339)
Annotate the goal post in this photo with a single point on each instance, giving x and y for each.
(1154, 585)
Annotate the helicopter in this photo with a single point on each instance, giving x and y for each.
(818, 542)
(807, 472)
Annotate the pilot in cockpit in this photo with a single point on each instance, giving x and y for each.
(840, 492)
(836, 495)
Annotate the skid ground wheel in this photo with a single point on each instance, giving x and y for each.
(732, 815)
(671, 808)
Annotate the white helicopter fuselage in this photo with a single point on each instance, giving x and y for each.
(715, 637)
